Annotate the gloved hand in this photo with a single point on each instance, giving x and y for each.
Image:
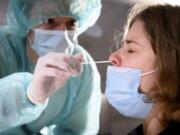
(51, 73)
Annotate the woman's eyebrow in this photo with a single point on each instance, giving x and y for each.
(128, 41)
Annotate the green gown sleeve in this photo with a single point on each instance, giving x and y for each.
(15, 108)
(84, 112)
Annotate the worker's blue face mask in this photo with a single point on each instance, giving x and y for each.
(122, 92)
(54, 41)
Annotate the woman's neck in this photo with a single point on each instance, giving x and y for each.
(152, 124)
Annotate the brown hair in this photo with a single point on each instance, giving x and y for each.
(162, 24)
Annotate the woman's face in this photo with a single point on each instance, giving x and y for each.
(136, 52)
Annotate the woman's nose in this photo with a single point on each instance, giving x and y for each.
(115, 59)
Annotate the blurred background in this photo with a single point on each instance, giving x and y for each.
(97, 40)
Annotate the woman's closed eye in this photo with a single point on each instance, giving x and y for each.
(131, 51)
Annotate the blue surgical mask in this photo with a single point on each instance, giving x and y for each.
(54, 41)
(122, 92)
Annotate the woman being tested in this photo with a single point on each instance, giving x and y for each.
(43, 82)
(144, 80)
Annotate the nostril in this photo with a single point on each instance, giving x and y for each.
(113, 62)
(115, 59)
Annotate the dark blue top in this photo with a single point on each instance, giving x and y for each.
(172, 129)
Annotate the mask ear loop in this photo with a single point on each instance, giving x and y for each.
(146, 99)
(150, 72)
(28, 38)
(143, 96)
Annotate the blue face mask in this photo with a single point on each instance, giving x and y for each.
(122, 92)
(54, 41)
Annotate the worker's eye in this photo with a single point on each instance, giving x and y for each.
(49, 22)
(71, 25)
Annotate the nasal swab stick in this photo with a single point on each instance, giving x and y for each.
(97, 62)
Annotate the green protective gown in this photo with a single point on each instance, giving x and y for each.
(74, 109)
